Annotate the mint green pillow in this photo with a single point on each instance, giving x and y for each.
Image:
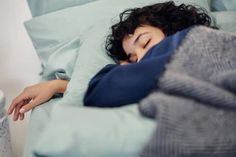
(56, 38)
(59, 64)
(40, 7)
(223, 5)
(225, 20)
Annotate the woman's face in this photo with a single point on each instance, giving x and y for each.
(137, 44)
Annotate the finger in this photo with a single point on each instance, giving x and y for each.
(16, 112)
(22, 115)
(16, 101)
(30, 105)
(12, 107)
(19, 115)
(17, 109)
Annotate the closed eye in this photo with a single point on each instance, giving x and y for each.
(147, 43)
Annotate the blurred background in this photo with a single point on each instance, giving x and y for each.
(19, 64)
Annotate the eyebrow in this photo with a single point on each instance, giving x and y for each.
(139, 37)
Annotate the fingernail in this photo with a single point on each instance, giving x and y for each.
(22, 110)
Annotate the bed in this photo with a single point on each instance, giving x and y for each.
(62, 33)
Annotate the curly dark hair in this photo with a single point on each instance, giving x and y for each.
(167, 16)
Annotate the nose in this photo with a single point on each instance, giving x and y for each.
(133, 58)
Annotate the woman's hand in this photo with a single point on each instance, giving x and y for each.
(35, 95)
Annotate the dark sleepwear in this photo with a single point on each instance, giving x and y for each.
(118, 85)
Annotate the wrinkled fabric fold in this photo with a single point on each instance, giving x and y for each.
(195, 103)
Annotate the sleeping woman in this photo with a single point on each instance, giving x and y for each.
(141, 43)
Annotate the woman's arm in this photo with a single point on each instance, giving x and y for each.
(35, 95)
(116, 86)
(60, 85)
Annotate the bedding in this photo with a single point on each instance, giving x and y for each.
(40, 7)
(225, 20)
(51, 41)
(67, 127)
(223, 5)
(195, 104)
(79, 131)
(60, 63)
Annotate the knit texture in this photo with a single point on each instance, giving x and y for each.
(195, 102)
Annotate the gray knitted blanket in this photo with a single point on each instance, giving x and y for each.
(195, 102)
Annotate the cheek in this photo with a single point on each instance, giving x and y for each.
(139, 53)
(126, 44)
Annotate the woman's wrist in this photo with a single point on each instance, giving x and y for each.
(59, 86)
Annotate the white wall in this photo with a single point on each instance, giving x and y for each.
(19, 64)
